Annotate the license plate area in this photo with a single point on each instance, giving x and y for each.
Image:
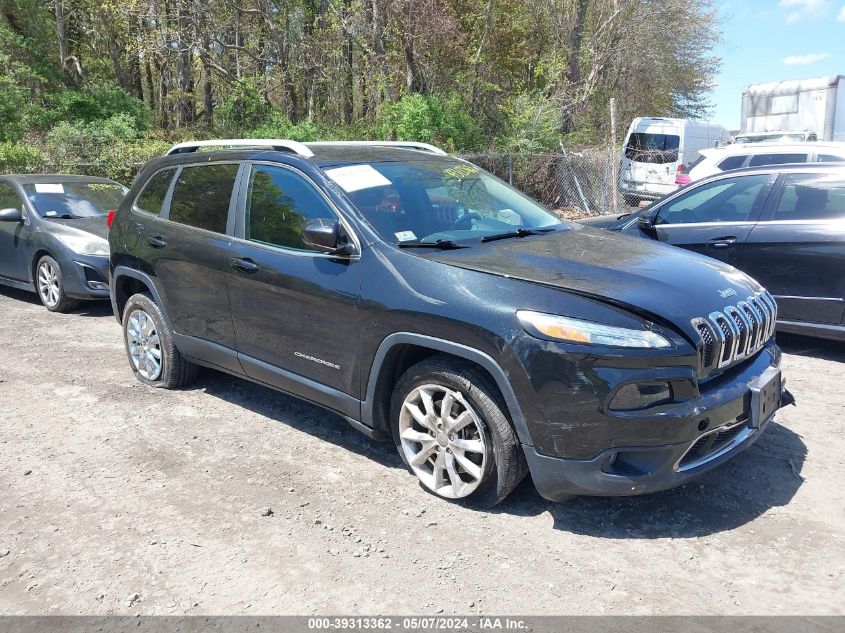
(766, 392)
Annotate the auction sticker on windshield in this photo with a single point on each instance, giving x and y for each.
(45, 187)
(405, 236)
(356, 177)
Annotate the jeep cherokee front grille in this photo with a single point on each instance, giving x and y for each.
(736, 332)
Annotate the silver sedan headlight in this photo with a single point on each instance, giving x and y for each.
(85, 244)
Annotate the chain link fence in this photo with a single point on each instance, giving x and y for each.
(574, 183)
(584, 182)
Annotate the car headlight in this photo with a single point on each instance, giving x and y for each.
(85, 244)
(560, 328)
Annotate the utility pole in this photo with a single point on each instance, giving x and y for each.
(614, 162)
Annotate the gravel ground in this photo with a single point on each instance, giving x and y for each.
(120, 499)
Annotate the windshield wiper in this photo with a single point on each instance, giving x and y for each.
(445, 245)
(63, 216)
(516, 233)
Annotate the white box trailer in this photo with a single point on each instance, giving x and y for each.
(811, 105)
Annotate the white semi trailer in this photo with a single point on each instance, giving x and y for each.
(808, 105)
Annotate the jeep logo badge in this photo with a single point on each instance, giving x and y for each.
(727, 292)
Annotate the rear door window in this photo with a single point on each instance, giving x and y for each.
(645, 147)
(201, 196)
(152, 197)
(776, 159)
(829, 158)
(732, 162)
(811, 197)
(726, 200)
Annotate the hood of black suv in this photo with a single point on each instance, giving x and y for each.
(641, 275)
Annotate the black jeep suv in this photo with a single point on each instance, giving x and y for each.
(421, 298)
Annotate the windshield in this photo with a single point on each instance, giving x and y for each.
(644, 147)
(74, 199)
(437, 199)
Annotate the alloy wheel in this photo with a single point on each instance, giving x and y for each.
(48, 284)
(442, 439)
(144, 344)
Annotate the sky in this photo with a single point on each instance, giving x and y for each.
(775, 40)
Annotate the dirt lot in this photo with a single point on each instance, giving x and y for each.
(116, 498)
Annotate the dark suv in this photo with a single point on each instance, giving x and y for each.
(423, 299)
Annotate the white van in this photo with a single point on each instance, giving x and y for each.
(657, 150)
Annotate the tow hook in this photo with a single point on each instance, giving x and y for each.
(787, 398)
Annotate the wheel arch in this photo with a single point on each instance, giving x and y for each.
(401, 350)
(127, 281)
(40, 252)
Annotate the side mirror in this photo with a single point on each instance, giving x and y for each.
(645, 221)
(11, 215)
(327, 236)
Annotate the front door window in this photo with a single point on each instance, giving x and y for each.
(725, 200)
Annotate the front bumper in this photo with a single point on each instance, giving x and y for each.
(646, 191)
(732, 416)
(86, 277)
(652, 469)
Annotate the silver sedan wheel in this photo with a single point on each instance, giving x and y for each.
(144, 344)
(48, 284)
(442, 440)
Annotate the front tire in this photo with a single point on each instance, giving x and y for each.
(152, 354)
(450, 428)
(50, 286)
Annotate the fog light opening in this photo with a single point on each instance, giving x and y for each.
(641, 395)
(98, 285)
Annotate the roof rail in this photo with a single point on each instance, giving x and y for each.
(279, 145)
(424, 147)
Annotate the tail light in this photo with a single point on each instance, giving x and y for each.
(680, 177)
(110, 219)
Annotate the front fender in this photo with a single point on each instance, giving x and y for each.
(455, 349)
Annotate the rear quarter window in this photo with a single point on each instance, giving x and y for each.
(732, 162)
(694, 164)
(153, 194)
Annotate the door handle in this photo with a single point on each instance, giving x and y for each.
(156, 241)
(722, 242)
(245, 265)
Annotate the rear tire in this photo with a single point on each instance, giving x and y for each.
(469, 451)
(152, 354)
(49, 283)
